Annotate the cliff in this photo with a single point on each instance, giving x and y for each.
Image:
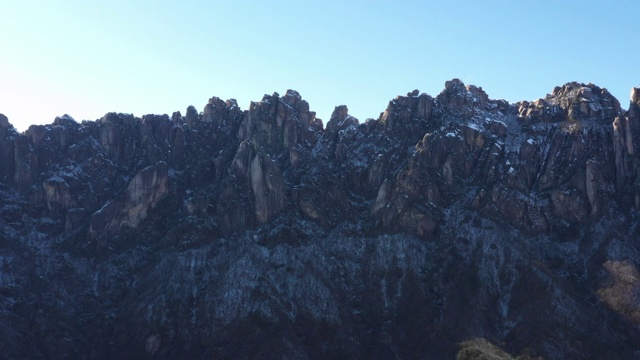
(444, 226)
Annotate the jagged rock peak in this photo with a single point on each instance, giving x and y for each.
(340, 119)
(635, 95)
(403, 109)
(463, 101)
(340, 112)
(217, 111)
(217, 102)
(279, 122)
(213, 108)
(4, 122)
(634, 108)
(292, 97)
(113, 117)
(456, 86)
(64, 120)
(192, 115)
(572, 101)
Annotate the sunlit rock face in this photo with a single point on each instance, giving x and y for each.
(454, 224)
(130, 208)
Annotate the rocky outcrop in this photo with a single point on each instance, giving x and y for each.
(142, 194)
(274, 128)
(4, 122)
(7, 156)
(117, 134)
(626, 129)
(618, 292)
(276, 123)
(550, 168)
(408, 114)
(267, 186)
(237, 233)
(572, 102)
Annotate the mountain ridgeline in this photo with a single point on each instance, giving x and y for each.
(450, 226)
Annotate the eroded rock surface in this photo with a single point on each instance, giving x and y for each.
(130, 208)
(233, 233)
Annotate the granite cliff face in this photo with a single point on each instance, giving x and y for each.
(444, 226)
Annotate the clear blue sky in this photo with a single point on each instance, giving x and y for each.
(87, 58)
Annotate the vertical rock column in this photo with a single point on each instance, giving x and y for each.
(626, 129)
(7, 157)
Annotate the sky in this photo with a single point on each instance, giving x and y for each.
(87, 58)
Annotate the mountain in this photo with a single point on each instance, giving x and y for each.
(450, 226)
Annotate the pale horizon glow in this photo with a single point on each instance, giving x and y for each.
(86, 59)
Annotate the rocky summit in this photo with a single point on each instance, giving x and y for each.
(450, 226)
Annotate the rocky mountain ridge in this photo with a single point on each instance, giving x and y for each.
(262, 233)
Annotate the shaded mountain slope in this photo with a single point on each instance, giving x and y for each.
(262, 233)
